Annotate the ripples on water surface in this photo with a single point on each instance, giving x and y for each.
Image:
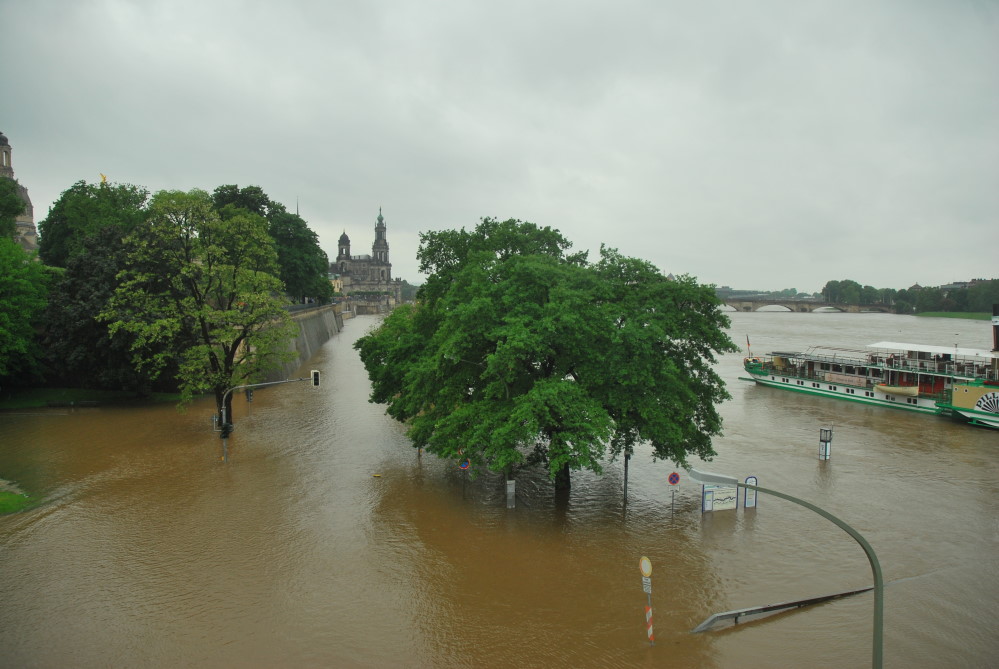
(149, 551)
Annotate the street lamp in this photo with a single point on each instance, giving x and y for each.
(879, 586)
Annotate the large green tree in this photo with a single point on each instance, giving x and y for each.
(82, 211)
(204, 288)
(11, 206)
(304, 266)
(982, 295)
(78, 346)
(519, 352)
(930, 299)
(251, 198)
(23, 288)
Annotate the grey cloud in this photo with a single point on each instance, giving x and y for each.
(770, 144)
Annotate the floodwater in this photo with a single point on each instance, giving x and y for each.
(324, 541)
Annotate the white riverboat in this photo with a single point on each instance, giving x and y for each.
(939, 380)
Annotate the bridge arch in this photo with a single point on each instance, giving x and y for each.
(796, 306)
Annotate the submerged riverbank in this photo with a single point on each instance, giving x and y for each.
(12, 498)
(36, 398)
(966, 315)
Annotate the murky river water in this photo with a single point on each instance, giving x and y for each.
(325, 542)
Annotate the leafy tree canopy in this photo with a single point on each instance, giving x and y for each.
(79, 348)
(204, 288)
(408, 292)
(303, 264)
(11, 206)
(978, 296)
(23, 289)
(518, 352)
(82, 211)
(251, 198)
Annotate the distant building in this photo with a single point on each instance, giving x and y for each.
(27, 234)
(368, 274)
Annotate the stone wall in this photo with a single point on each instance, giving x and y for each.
(315, 328)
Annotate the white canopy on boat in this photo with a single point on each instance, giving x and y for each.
(937, 350)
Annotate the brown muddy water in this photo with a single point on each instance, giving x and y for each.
(324, 541)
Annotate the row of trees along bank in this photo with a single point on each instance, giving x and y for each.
(976, 296)
(519, 352)
(180, 291)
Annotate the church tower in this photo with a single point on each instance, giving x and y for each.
(26, 232)
(343, 254)
(6, 169)
(380, 249)
(367, 276)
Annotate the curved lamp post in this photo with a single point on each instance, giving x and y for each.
(879, 586)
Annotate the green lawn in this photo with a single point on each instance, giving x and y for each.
(30, 398)
(11, 501)
(974, 316)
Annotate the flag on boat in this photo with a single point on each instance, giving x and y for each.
(747, 342)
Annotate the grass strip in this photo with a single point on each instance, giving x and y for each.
(12, 501)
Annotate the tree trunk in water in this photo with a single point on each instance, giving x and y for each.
(627, 457)
(562, 481)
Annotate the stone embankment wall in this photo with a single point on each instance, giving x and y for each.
(315, 328)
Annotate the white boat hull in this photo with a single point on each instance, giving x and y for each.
(851, 393)
(979, 418)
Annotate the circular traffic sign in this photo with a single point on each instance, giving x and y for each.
(674, 478)
(464, 464)
(645, 564)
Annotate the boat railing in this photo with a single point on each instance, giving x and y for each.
(965, 370)
(800, 371)
(868, 383)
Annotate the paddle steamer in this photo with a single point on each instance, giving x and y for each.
(939, 380)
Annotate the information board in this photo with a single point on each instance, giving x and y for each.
(720, 498)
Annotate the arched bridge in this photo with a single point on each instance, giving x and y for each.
(802, 306)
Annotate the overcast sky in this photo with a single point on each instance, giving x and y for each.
(768, 144)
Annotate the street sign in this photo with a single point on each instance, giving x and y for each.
(463, 464)
(674, 478)
(645, 565)
(719, 497)
(749, 498)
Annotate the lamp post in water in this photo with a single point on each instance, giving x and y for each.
(226, 428)
(879, 586)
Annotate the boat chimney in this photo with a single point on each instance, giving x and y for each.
(995, 328)
(995, 341)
